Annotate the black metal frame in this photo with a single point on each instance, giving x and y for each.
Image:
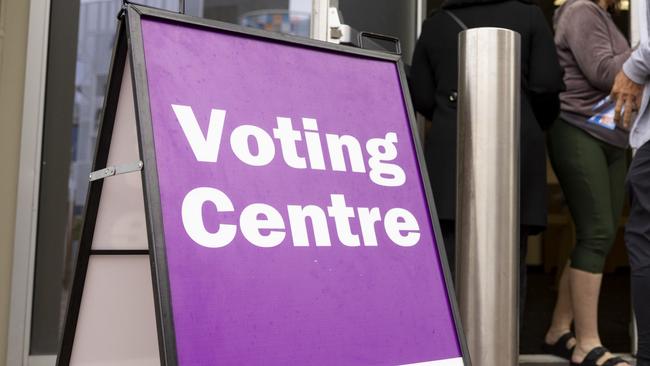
(130, 37)
(107, 121)
(380, 37)
(153, 211)
(126, 3)
(433, 215)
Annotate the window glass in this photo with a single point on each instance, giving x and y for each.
(81, 39)
(82, 33)
(286, 16)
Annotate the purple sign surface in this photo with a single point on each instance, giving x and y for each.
(295, 220)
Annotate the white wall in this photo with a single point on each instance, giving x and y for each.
(13, 44)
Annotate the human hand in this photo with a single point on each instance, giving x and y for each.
(626, 93)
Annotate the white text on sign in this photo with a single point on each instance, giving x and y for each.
(263, 225)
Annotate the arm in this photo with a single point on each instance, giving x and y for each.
(628, 87)
(588, 37)
(546, 108)
(637, 67)
(545, 74)
(421, 81)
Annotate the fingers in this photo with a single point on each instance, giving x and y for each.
(627, 95)
(619, 106)
(630, 108)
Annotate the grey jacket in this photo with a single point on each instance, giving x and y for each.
(591, 50)
(637, 68)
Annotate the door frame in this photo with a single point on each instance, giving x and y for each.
(24, 245)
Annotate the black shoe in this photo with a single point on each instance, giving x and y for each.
(560, 347)
(595, 354)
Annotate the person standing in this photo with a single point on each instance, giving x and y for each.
(627, 91)
(433, 84)
(590, 163)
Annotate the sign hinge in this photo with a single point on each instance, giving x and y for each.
(112, 170)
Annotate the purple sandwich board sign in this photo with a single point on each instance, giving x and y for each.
(288, 221)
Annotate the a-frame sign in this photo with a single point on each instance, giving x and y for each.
(257, 199)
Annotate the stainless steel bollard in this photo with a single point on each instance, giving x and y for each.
(487, 217)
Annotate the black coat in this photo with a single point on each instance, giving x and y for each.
(433, 82)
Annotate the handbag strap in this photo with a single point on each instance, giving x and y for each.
(456, 19)
(463, 26)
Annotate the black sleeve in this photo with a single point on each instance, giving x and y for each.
(545, 74)
(546, 107)
(421, 81)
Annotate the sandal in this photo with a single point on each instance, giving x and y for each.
(560, 347)
(595, 354)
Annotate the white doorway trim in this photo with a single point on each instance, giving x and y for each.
(22, 279)
(42, 361)
(319, 23)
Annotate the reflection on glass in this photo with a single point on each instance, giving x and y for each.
(277, 21)
(96, 35)
(285, 16)
(97, 23)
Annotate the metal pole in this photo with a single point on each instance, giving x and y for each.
(487, 225)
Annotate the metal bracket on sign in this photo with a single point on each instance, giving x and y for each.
(112, 170)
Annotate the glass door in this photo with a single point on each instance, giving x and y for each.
(285, 16)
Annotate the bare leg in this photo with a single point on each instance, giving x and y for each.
(563, 312)
(585, 288)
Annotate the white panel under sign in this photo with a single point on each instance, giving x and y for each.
(121, 218)
(116, 324)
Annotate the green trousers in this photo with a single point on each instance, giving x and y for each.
(592, 176)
